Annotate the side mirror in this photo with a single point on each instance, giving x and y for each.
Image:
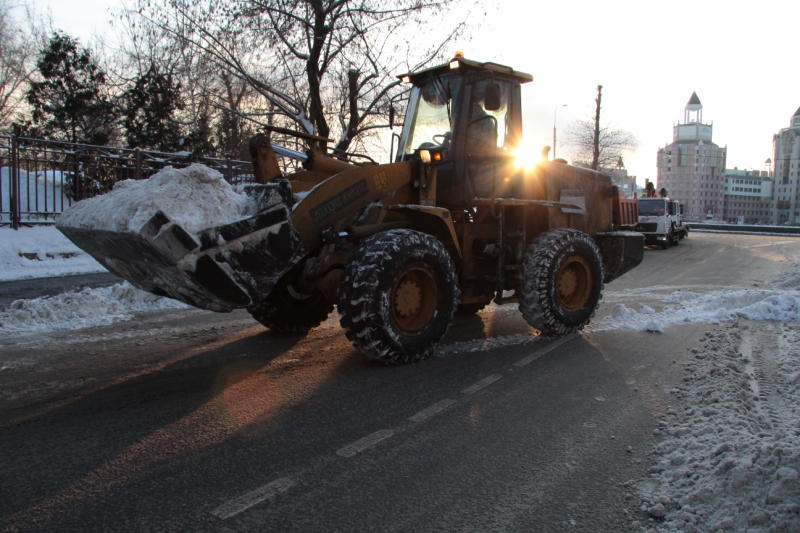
(391, 116)
(492, 100)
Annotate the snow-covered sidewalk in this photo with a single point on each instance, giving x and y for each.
(41, 252)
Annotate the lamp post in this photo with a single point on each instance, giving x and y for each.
(555, 114)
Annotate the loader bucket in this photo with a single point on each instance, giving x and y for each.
(221, 268)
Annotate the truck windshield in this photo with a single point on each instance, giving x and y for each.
(432, 120)
(652, 207)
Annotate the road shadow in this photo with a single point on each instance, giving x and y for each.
(253, 408)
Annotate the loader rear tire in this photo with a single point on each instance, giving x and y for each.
(287, 311)
(398, 296)
(562, 282)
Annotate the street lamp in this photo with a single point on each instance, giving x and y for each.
(555, 114)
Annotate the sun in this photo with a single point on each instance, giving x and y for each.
(526, 156)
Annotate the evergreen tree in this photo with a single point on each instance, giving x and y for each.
(68, 103)
(199, 139)
(233, 135)
(149, 107)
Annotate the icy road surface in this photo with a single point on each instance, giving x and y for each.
(676, 410)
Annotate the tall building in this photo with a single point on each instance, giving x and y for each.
(748, 197)
(692, 167)
(786, 171)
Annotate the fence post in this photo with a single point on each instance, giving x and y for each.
(13, 199)
(137, 173)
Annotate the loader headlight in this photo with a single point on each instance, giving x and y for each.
(428, 156)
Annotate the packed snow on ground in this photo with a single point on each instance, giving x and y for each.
(41, 252)
(728, 459)
(81, 309)
(196, 197)
(728, 455)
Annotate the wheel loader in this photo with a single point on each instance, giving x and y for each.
(452, 224)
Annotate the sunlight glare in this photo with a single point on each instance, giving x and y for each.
(526, 156)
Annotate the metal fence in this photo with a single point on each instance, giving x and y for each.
(40, 178)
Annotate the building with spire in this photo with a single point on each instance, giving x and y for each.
(786, 172)
(692, 167)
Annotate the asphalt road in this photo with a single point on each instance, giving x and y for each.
(193, 421)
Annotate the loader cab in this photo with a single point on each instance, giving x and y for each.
(464, 118)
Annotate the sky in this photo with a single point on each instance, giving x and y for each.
(649, 56)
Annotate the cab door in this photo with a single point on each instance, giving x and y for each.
(491, 132)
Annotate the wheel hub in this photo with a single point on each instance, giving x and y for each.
(408, 298)
(574, 283)
(413, 300)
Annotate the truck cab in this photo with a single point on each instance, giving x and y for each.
(661, 221)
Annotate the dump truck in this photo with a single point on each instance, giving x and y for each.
(452, 224)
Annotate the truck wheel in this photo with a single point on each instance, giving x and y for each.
(675, 236)
(398, 296)
(562, 281)
(667, 242)
(290, 312)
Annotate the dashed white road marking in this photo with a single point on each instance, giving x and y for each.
(280, 485)
(254, 497)
(365, 443)
(432, 410)
(539, 353)
(482, 384)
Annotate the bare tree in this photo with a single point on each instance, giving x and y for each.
(19, 44)
(328, 65)
(597, 146)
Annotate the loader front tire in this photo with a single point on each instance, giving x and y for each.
(287, 311)
(398, 296)
(562, 282)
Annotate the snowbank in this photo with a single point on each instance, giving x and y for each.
(81, 309)
(715, 307)
(196, 197)
(41, 252)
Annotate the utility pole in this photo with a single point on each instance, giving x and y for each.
(555, 116)
(596, 151)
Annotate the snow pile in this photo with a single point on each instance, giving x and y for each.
(196, 197)
(40, 252)
(729, 459)
(81, 309)
(718, 306)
